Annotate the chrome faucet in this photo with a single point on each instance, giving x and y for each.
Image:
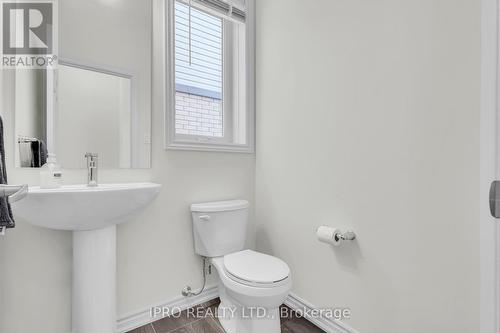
(92, 159)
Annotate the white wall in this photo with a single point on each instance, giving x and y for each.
(368, 118)
(155, 251)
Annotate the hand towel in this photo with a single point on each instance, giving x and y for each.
(6, 217)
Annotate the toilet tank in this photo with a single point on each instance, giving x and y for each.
(220, 227)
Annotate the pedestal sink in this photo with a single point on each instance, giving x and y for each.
(92, 213)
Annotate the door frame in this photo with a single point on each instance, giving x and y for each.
(489, 155)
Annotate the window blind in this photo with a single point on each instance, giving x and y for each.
(231, 9)
(198, 52)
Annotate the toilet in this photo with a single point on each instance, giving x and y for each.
(252, 285)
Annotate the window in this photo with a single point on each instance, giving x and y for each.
(210, 76)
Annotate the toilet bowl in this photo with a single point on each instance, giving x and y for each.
(252, 285)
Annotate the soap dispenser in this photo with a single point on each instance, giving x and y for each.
(51, 173)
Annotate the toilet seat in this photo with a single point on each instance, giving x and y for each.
(256, 269)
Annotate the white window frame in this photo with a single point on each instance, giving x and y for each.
(201, 143)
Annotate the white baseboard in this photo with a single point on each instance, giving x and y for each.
(329, 325)
(143, 317)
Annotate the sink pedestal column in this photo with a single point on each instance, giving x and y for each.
(94, 281)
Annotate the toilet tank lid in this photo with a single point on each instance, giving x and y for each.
(219, 206)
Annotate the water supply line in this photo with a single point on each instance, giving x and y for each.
(188, 292)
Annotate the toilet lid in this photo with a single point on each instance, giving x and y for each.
(256, 267)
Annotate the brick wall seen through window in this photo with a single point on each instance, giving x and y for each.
(198, 115)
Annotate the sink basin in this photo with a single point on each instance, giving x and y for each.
(92, 213)
(79, 207)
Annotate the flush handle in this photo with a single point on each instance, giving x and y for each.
(205, 218)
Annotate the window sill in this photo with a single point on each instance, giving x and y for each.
(211, 147)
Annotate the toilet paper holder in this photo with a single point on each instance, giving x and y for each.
(334, 236)
(345, 236)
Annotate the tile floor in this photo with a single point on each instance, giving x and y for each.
(209, 323)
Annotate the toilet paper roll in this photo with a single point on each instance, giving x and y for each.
(327, 234)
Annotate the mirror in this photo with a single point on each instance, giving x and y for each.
(31, 122)
(99, 98)
(95, 114)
